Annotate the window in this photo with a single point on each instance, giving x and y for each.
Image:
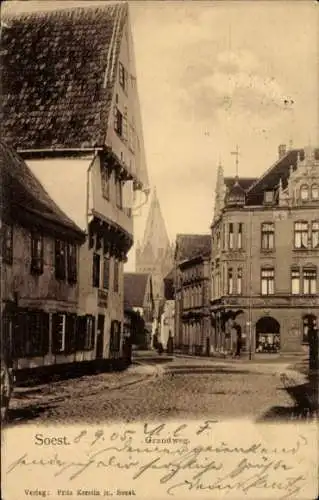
(267, 235)
(225, 236)
(231, 236)
(240, 236)
(106, 273)
(36, 253)
(58, 332)
(116, 276)
(309, 281)
(115, 337)
(239, 281)
(72, 263)
(315, 234)
(118, 122)
(96, 270)
(89, 333)
(85, 339)
(60, 260)
(132, 138)
(218, 241)
(106, 178)
(122, 76)
(119, 192)
(268, 196)
(230, 281)
(30, 333)
(301, 234)
(7, 249)
(315, 192)
(295, 281)
(304, 192)
(267, 281)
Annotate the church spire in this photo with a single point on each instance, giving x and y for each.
(155, 235)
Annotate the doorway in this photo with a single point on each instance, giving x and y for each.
(267, 335)
(100, 336)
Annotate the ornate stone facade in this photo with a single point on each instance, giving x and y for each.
(265, 255)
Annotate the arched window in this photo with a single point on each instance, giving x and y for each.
(315, 192)
(304, 192)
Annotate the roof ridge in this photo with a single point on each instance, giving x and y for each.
(277, 162)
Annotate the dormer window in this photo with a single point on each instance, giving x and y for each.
(304, 192)
(268, 197)
(315, 192)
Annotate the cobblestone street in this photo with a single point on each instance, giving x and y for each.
(179, 389)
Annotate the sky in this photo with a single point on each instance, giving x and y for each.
(213, 75)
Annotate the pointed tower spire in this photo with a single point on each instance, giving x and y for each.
(219, 189)
(155, 236)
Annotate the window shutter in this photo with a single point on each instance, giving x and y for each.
(70, 334)
(45, 321)
(80, 333)
(55, 322)
(92, 342)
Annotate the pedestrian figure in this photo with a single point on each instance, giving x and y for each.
(170, 346)
(238, 340)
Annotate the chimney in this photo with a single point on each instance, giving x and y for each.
(282, 149)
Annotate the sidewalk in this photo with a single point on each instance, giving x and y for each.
(79, 387)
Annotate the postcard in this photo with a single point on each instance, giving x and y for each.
(159, 250)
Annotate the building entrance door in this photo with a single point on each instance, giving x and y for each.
(267, 335)
(100, 336)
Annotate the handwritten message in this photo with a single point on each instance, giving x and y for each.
(204, 459)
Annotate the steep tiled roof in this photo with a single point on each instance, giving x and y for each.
(27, 192)
(271, 178)
(58, 71)
(135, 285)
(189, 246)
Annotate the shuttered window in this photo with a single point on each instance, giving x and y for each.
(72, 263)
(106, 273)
(36, 253)
(85, 334)
(58, 332)
(60, 260)
(116, 276)
(70, 334)
(96, 270)
(30, 334)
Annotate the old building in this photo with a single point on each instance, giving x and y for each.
(192, 293)
(265, 255)
(71, 108)
(155, 254)
(167, 319)
(39, 274)
(138, 297)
